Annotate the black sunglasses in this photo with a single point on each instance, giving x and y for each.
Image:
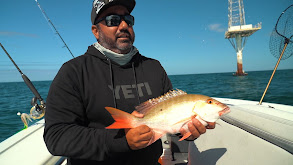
(115, 20)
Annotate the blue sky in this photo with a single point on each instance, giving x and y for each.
(185, 36)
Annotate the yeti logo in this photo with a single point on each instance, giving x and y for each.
(129, 91)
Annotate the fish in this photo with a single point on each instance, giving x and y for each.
(169, 113)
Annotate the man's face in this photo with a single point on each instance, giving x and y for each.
(119, 38)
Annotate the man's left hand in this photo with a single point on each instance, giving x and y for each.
(197, 128)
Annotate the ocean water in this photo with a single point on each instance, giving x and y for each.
(16, 96)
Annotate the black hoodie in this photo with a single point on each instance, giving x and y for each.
(76, 117)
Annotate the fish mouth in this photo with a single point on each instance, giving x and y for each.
(224, 111)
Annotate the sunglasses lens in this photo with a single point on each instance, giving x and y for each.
(115, 20)
(129, 19)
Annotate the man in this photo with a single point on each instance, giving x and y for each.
(111, 73)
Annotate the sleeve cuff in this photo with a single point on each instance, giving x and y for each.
(118, 142)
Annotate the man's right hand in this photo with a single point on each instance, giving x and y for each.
(139, 137)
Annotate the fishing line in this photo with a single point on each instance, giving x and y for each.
(53, 27)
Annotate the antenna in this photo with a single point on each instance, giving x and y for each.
(238, 31)
(54, 28)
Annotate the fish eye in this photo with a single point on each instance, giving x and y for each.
(210, 101)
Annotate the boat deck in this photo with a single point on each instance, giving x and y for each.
(249, 134)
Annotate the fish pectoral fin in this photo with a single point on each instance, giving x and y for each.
(160, 161)
(157, 135)
(185, 136)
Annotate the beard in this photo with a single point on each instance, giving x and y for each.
(118, 45)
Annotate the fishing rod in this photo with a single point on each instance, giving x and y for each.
(54, 28)
(37, 111)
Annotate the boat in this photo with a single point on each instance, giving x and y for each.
(249, 134)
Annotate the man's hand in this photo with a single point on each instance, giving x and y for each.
(139, 137)
(196, 128)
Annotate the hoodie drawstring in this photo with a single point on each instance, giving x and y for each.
(134, 74)
(112, 83)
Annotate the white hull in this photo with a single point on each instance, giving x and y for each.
(27, 147)
(236, 140)
(250, 134)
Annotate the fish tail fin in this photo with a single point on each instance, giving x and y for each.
(122, 119)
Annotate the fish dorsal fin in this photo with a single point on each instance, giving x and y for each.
(146, 106)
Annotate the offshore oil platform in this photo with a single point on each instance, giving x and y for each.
(238, 31)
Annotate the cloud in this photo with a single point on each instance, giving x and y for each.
(216, 28)
(15, 34)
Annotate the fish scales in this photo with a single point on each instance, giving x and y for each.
(169, 112)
